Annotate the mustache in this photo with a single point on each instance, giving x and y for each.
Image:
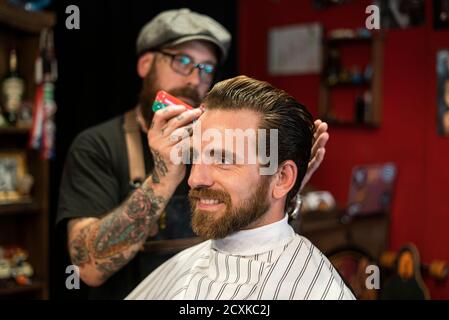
(187, 92)
(197, 193)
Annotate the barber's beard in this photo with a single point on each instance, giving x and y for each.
(205, 223)
(150, 89)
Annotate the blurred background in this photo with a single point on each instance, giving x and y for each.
(380, 81)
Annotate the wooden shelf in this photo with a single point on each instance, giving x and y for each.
(27, 21)
(343, 85)
(15, 130)
(322, 220)
(332, 101)
(16, 289)
(346, 40)
(21, 208)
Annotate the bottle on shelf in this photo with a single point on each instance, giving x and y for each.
(368, 99)
(333, 67)
(344, 76)
(356, 75)
(13, 88)
(360, 109)
(368, 73)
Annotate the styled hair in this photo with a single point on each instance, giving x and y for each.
(277, 110)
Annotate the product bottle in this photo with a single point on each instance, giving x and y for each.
(13, 88)
(359, 109)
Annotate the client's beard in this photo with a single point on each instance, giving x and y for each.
(149, 92)
(205, 223)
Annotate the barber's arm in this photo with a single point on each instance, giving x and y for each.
(100, 247)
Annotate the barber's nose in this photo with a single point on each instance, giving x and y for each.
(200, 176)
(193, 79)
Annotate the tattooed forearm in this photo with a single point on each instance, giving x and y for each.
(114, 240)
(108, 268)
(120, 230)
(160, 168)
(78, 248)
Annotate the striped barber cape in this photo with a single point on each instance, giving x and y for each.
(269, 263)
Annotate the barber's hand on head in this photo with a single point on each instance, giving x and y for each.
(170, 128)
(318, 150)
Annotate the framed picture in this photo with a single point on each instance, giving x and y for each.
(443, 92)
(13, 172)
(295, 49)
(371, 189)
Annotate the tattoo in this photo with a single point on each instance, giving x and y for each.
(157, 202)
(163, 130)
(120, 230)
(160, 168)
(110, 240)
(78, 248)
(179, 118)
(110, 267)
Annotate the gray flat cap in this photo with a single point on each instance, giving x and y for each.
(177, 26)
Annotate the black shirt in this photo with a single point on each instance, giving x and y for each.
(96, 180)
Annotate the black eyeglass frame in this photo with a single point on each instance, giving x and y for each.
(200, 66)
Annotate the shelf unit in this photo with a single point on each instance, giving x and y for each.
(25, 223)
(374, 86)
(21, 208)
(14, 290)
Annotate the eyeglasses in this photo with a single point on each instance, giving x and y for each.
(184, 65)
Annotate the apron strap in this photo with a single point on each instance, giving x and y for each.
(136, 163)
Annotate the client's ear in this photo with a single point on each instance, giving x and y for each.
(285, 179)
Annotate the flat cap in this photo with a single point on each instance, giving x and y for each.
(177, 26)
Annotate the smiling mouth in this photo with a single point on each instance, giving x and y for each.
(205, 203)
(209, 201)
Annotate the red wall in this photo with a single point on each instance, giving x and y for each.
(407, 135)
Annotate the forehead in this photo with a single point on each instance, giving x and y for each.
(230, 135)
(197, 49)
(232, 130)
(229, 119)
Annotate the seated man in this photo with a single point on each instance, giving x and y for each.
(240, 205)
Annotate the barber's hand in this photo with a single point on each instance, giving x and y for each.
(318, 150)
(169, 128)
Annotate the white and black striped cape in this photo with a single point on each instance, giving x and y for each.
(297, 270)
